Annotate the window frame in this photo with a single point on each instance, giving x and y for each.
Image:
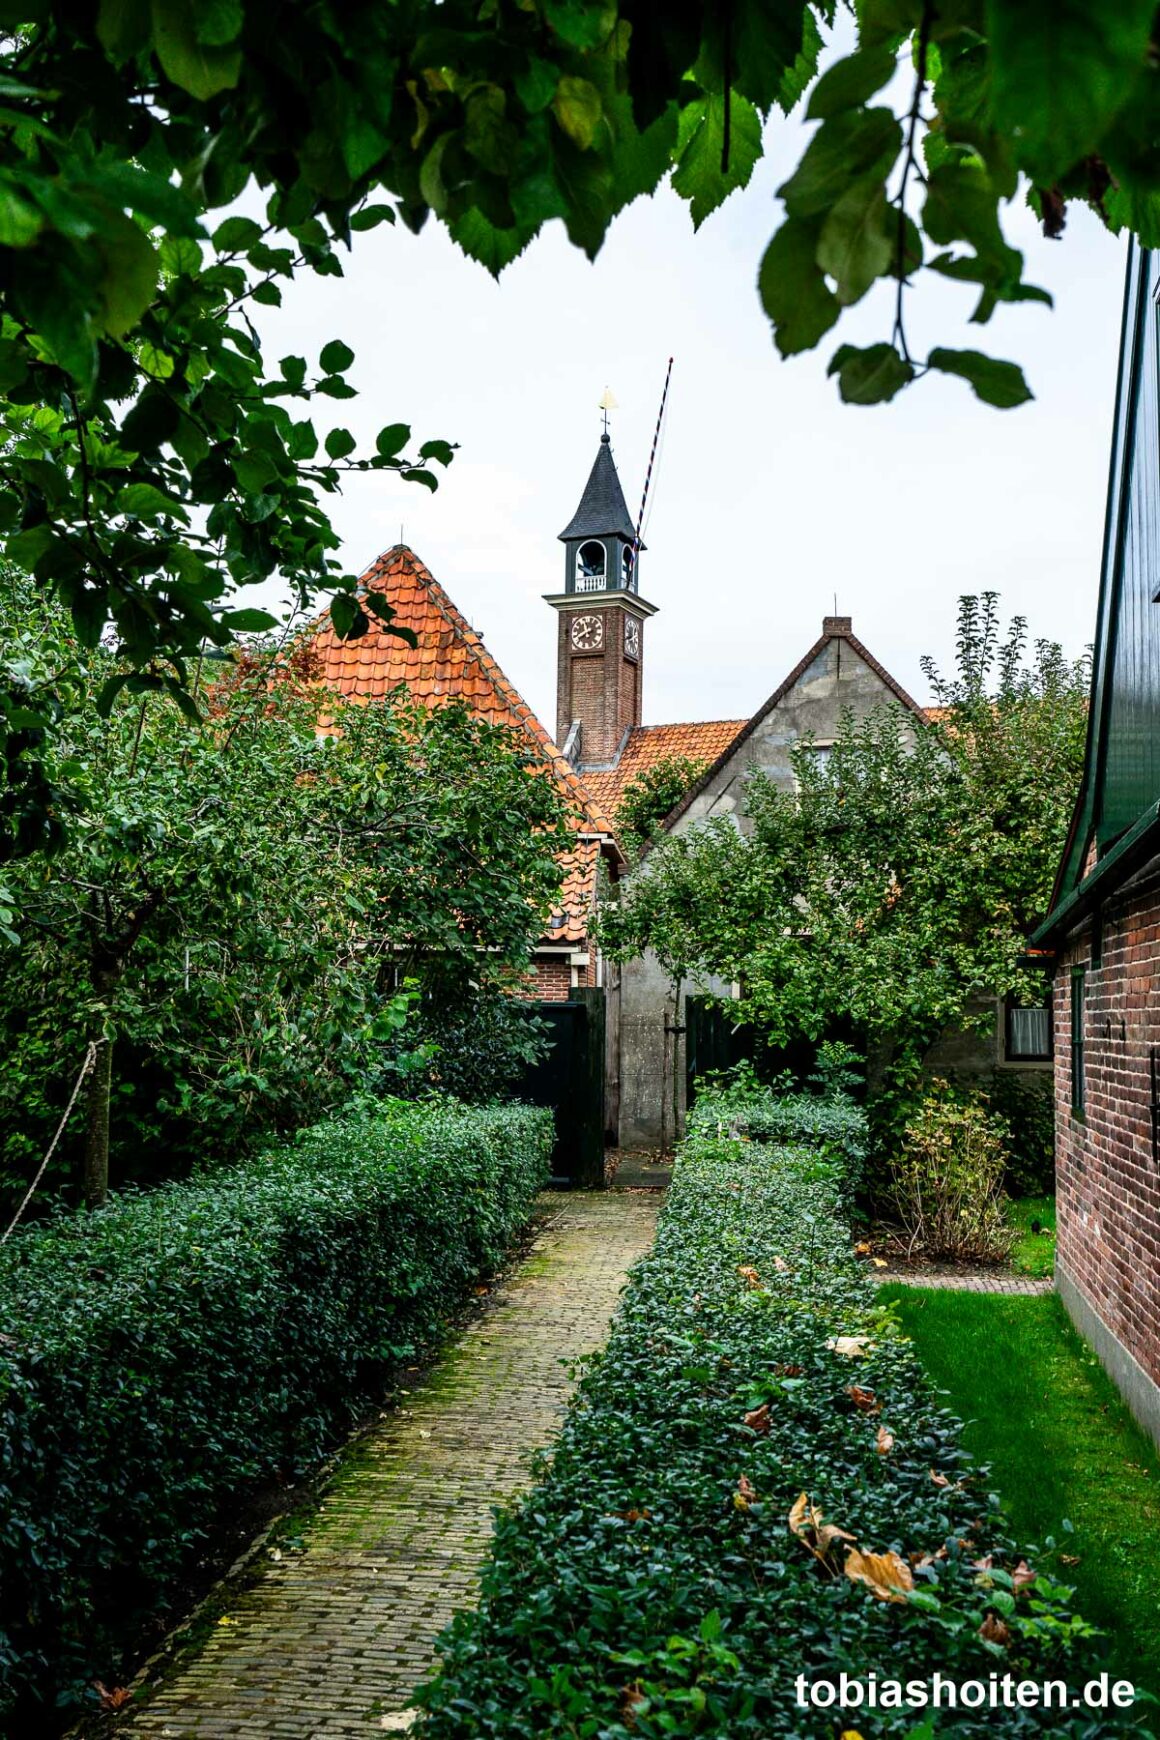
(1019, 1059)
(1078, 1024)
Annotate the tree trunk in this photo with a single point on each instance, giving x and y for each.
(106, 973)
(96, 1175)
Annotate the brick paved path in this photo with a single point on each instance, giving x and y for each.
(330, 1640)
(979, 1282)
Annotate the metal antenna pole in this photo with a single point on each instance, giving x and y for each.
(651, 461)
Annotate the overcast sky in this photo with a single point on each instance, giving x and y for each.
(771, 497)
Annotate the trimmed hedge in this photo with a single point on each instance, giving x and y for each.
(650, 1585)
(833, 1124)
(165, 1354)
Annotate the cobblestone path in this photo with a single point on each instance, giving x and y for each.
(330, 1640)
(980, 1282)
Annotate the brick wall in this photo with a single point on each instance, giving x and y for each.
(1108, 1183)
(551, 977)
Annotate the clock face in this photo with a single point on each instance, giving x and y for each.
(632, 637)
(587, 633)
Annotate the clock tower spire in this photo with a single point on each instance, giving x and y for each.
(602, 617)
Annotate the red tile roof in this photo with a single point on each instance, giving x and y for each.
(450, 662)
(649, 744)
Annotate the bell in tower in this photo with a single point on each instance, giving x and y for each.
(602, 617)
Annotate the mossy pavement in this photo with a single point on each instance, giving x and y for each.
(332, 1635)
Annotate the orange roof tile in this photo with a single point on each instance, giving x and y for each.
(450, 662)
(649, 744)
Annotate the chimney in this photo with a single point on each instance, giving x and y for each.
(837, 625)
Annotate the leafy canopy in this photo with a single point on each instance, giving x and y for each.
(895, 888)
(166, 169)
(235, 908)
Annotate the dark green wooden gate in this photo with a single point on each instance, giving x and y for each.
(570, 1079)
(714, 1041)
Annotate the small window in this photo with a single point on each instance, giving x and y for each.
(1078, 998)
(1028, 1034)
(590, 567)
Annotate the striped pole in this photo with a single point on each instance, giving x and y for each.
(651, 462)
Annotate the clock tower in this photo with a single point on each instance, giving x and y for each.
(602, 617)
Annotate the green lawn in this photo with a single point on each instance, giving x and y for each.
(1033, 1252)
(1041, 1410)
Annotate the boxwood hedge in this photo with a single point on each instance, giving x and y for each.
(651, 1584)
(834, 1124)
(161, 1356)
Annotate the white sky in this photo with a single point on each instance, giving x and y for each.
(771, 496)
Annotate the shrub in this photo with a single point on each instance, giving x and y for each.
(947, 1183)
(830, 1123)
(653, 1583)
(164, 1354)
(1027, 1106)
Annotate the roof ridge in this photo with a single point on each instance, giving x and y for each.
(495, 674)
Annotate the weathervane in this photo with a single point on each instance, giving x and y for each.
(607, 403)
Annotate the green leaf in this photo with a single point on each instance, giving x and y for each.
(219, 22)
(580, 23)
(367, 217)
(236, 234)
(701, 176)
(248, 621)
(858, 240)
(334, 387)
(195, 66)
(442, 451)
(1136, 209)
(1060, 72)
(996, 383)
(144, 501)
(129, 283)
(157, 363)
(180, 254)
(484, 241)
(846, 148)
(415, 474)
(293, 370)
(335, 357)
(578, 109)
(793, 289)
(254, 471)
(871, 376)
(339, 443)
(536, 85)
(850, 82)
(392, 439)
(267, 294)
(123, 27)
(350, 622)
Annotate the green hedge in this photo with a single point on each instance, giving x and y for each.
(832, 1123)
(164, 1355)
(643, 1590)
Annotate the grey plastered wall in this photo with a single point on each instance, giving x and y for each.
(836, 681)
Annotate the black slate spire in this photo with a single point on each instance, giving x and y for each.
(603, 509)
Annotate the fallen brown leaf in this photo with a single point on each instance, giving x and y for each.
(745, 1494)
(939, 1479)
(806, 1521)
(884, 1443)
(788, 1370)
(986, 1563)
(884, 1574)
(749, 1273)
(758, 1418)
(864, 1400)
(112, 1699)
(880, 1262)
(781, 1265)
(994, 1630)
(1069, 1558)
(1022, 1575)
(862, 1248)
(630, 1697)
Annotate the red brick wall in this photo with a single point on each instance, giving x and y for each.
(551, 977)
(1107, 1182)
